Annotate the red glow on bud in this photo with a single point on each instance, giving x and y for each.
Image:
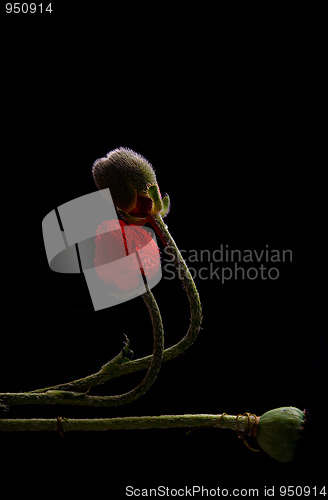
(115, 241)
(143, 206)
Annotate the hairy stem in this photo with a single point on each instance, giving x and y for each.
(79, 398)
(117, 367)
(193, 297)
(241, 424)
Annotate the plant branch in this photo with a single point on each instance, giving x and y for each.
(79, 398)
(189, 286)
(241, 424)
(117, 367)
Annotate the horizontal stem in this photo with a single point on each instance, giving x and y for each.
(239, 424)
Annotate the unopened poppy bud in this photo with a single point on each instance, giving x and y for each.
(132, 183)
(280, 430)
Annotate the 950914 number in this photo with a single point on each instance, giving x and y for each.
(28, 8)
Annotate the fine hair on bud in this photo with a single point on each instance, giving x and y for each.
(126, 174)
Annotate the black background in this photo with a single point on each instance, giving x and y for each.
(229, 125)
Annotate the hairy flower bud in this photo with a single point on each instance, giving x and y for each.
(132, 183)
(279, 432)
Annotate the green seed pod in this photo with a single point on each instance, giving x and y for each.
(279, 432)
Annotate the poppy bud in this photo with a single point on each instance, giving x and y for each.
(132, 183)
(280, 430)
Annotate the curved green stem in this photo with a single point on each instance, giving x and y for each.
(117, 367)
(193, 297)
(78, 398)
